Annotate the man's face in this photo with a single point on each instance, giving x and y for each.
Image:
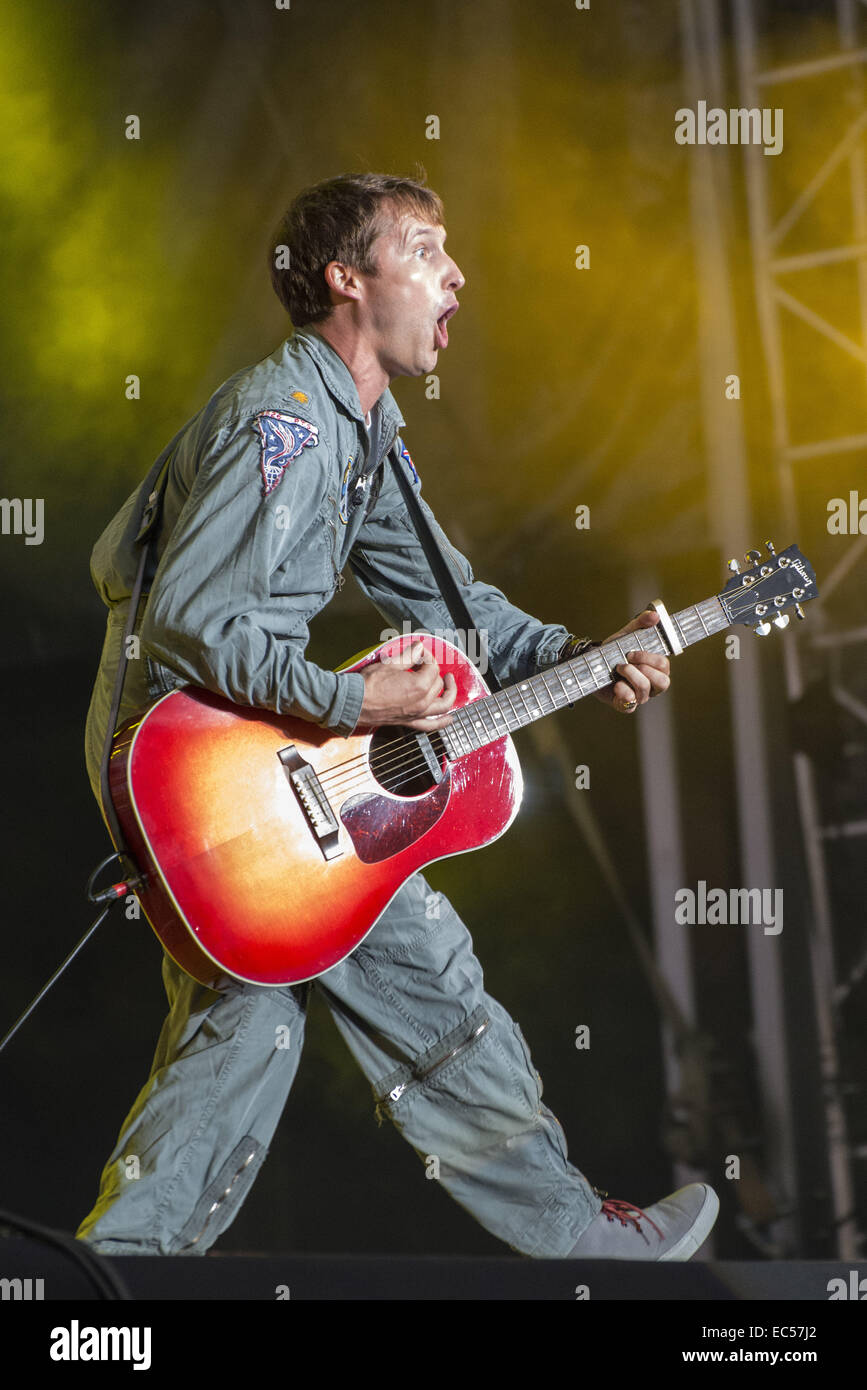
(407, 304)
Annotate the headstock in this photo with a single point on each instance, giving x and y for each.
(761, 594)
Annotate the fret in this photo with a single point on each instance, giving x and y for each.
(486, 709)
(592, 661)
(453, 733)
(569, 697)
(706, 618)
(463, 733)
(688, 626)
(537, 710)
(489, 723)
(651, 640)
(519, 688)
(498, 714)
(512, 711)
(591, 683)
(684, 625)
(474, 721)
(543, 679)
(470, 728)
(715, 614)
(536, 685)
(492, 717)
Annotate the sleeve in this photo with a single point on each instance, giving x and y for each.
(247, 561)
(391, 568)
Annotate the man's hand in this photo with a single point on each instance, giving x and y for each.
(642, 675)
(408, 689)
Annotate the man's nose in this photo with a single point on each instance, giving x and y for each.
(454, 279)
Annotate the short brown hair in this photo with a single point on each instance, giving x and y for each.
(338, 220)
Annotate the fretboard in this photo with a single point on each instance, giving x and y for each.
(485, 720)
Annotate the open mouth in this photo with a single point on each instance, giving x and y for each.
(441, 334)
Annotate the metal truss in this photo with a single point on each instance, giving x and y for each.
(780, 308)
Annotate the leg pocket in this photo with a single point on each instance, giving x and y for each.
(221, 1199)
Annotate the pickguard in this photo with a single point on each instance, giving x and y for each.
(382, 826)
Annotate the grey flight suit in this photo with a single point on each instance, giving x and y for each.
(258, 525)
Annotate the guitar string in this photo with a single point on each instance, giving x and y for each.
(409, 751)
(409, 757)
(416, 761)
(404, 744)
(339, 770)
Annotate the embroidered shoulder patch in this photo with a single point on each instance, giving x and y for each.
(282, 437)
(404, 453)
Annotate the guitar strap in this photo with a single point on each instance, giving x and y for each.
(451, 594)
(144, 536)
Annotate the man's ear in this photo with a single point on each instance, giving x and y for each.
(342, 281)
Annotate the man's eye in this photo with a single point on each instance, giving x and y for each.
(424, 250)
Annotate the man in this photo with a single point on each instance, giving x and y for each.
(279, 482)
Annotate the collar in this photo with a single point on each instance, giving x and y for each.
(338, 379)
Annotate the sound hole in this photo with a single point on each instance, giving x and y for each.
(398, 762)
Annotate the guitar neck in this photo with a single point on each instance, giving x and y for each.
(485, 720)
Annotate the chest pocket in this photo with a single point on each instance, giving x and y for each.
(309, 568)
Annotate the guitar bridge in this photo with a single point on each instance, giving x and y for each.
(312, 800)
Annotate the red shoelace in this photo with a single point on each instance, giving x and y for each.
(622, 1211)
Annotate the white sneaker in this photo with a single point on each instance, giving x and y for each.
(672, 1229)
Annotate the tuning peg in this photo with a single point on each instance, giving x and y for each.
(770, 547)
(752, 557)
(781, 620)
(762, 629)
(799, 612)
(734, 567)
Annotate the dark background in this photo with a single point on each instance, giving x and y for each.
(560, 387)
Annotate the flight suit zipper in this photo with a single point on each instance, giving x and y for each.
(338, 577)
(421, 1076)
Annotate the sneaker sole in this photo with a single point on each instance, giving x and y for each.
(698, 1231)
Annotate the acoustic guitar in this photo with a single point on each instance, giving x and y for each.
(269, 846)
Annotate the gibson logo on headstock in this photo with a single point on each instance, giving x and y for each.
(800, 567)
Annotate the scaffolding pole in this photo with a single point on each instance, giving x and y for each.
(774, 303)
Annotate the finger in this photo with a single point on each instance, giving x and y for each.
(418, 654)
(624, 698)
(444, 700)
(644, 685)
(436, 714)
(407, 656)
(428, 722)
(659, 682)
(657, 669)
(428, 681)
(656, 672)
(650, 659)
(635, 680)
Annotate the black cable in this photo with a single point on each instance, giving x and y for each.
(98, 1272)
(58, 972)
